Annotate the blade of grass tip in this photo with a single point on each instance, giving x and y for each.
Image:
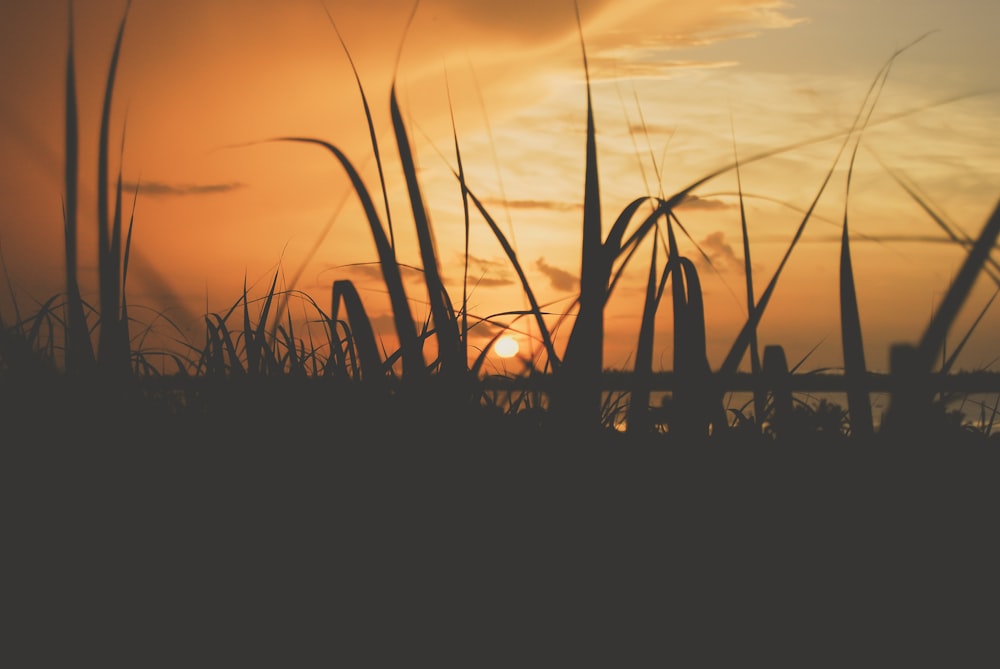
(373, 137)
(584, 354)
(406, 330)
(449, 346)
(937, 329)
(632, 134)
(79, 348)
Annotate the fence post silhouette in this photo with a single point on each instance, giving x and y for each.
(777, 378)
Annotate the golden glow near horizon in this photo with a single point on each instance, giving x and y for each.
(679, 89)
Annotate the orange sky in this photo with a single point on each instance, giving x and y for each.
(202, 85)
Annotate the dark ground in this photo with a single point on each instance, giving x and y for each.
(482, 542)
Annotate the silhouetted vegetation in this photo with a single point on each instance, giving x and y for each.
(254, 367)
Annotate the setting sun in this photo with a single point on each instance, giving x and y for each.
(506, 347)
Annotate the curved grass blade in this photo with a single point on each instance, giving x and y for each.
(373, 137)
(410, 347)
(370, 366)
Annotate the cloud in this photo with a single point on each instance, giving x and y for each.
(160, 188)
(560, 279)
(545, 205)
(719, 253)
(642, 36)
(640, 63)
(705, 204)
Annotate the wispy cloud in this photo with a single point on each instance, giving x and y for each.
(705, 204)
(616, 65)
(720, 253)
(545, 205)
(162, 189)
(559, 278)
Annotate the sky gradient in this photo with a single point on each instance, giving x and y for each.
(679, 89)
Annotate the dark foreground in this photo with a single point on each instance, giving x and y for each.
(473, 542)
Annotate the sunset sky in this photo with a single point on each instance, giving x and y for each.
(677, 87)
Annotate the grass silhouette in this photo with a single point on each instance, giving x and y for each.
(267, 367)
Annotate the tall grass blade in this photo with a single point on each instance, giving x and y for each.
(855, 371)
(453, 362)
(79, 348)
(579, 392)
(110, 353)
(759, 398)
